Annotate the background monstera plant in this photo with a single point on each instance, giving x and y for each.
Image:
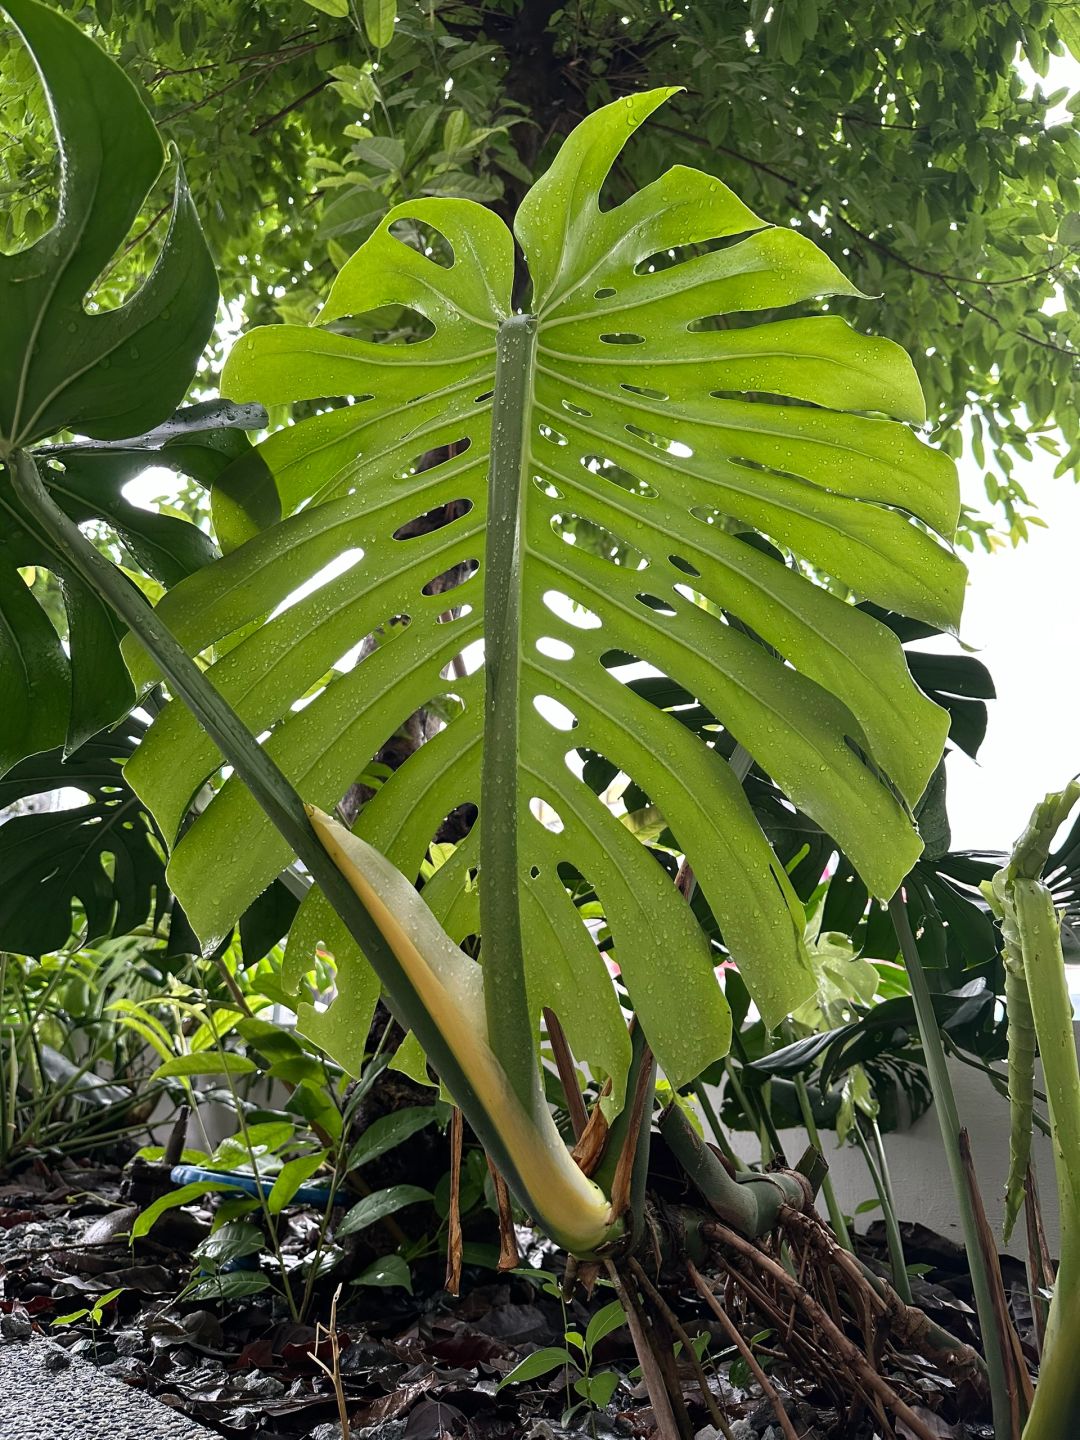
(638, 396)
(68, 365)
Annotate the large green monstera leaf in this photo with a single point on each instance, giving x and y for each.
(637, 412)
(100, 373)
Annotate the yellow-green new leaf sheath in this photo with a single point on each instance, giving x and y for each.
(598, 463)
(450, 985)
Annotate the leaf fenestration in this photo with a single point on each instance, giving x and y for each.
(665, 433)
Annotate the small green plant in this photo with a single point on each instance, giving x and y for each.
(94, 1312)
(594, 1389)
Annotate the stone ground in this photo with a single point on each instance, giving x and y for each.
(47, 1394)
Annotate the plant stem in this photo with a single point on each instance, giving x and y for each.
(836, 1214)
(756, 1110)
(749, 1200)
(997, 1363)
(509, 1023)
(268, 785)
(734, 1335)
(7, 1114)
(897, 1260)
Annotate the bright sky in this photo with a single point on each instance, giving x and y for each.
(1021, 613)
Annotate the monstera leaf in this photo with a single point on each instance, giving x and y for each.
(99, 860)
(105, 374)
(636, 404)
(87, 481)
(103, 854)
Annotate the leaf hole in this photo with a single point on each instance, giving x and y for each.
(534, 872)
(584, 534)
(573, 409)
(557, 715)
(453, 829)
(751, 393)
(435, 519)
(653, 602)
(556, 437)
(32, 160)
(622, 337)
(661, 442)
(459, 612)
(570, 611)
(554, 649)
(604, 293)
(546, 814)
(677, 255)
(335, 568)
(547, 488)
(684, 565)
(397, 325)
(452, 578)
(625, 479)
(644, 390)
(421, 236)
(432, 459)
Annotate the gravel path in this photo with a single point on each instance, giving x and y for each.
(45, 1398)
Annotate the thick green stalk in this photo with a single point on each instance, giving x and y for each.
(273, 792)
(1022, 1049)
(748, 1201)
(997, 1363)
(510, 1026)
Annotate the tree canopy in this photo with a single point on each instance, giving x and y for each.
(932, 172)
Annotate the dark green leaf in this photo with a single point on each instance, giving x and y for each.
(103, 854)
(115, 372)
(234, 1285)
(388, 1271)
(231, 1241)
(146, 1219)
(206, 1062)
(388, 1132)
(540, 1362)
(607, 1319)
(291, 1177)
(378, 1205)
